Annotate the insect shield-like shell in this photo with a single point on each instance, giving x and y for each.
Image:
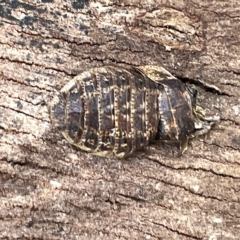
(108, 111)
(176, 122)
(111, 111)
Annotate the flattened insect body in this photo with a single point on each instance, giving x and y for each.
(111, 111)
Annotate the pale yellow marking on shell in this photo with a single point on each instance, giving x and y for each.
(173, 124)
(132, 111)
(79, 144)
(148, 128)
(116, 113)
(166, 126)
(187, 96)
(66, 88)
(156, 73)
(209, 85)
(80, 78)
(98, 92)
(145, 115)
(127, 116)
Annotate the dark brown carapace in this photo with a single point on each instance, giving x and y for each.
(111, 111)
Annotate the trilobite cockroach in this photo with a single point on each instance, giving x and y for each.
(115, 111)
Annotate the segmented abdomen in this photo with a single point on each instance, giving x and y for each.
(113, 111)
(109, 111)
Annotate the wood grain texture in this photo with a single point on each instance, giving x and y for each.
(52, 191)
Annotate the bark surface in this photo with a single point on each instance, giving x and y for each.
(49, 190)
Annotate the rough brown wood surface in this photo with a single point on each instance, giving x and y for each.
(48, 190)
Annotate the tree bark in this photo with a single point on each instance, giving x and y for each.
(50, 190)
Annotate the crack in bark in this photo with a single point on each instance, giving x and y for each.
(223, 147)
(25, 84)
(85, 208)
(232, 85)
(230, 120)
(199, 83)
(39, 65)
(191, 191)
(211, 160)
(14, 131)
(191, 168)
(177, 231)
(19, 111)
(134, 198)
(230, 71)
(41, 103)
